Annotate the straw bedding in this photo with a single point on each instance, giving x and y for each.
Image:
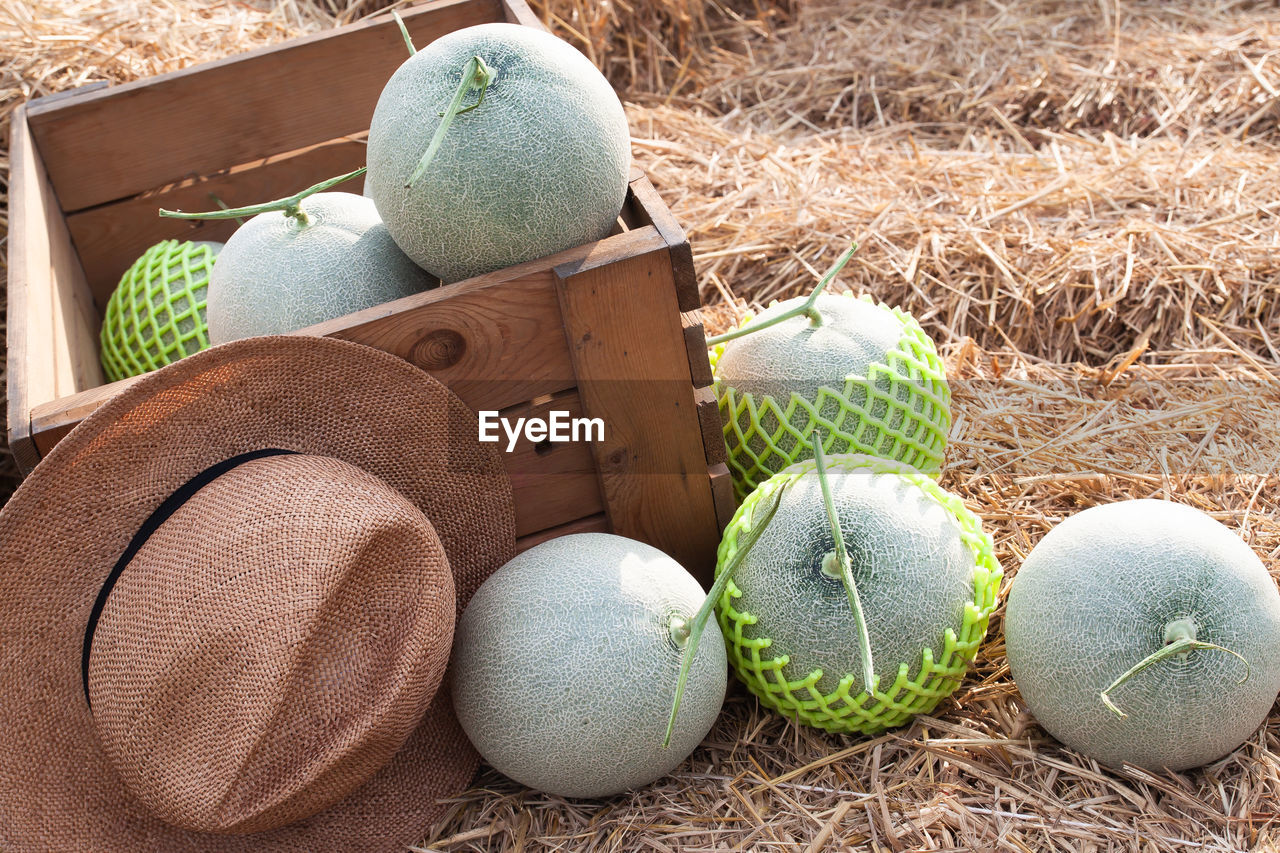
(1079, 200)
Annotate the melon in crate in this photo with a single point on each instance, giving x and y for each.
(302, 260)
(156, 314)
(535, 163)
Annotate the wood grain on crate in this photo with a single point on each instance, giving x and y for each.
(493, 340)
(592, 524)
(628, 347)
(52, 329)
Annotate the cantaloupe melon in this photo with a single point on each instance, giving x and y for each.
(566, 660)
(923, 571)
(156, 314)
(277, 274)
(1117, 583)
(540, 166)
(867, 377)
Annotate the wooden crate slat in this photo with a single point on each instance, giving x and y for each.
(710, 425)
(111, 237)
(489, 342)
(52, 324)
(552, 482)
(659, 216)
(592, 524)
(695, 342)
(220, 114)
(627, 344)
(725, 499)
(28, 252)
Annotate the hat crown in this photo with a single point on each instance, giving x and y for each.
(271, 645)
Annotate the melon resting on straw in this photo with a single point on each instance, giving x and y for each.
(565, 666)
(859, 371)
(1145, 632)
(864, 598)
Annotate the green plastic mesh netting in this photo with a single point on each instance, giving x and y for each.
(901, 410)
(916, 690)
(156, 315)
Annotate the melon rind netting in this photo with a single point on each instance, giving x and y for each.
(156, 315)
(901, 410)
(842, 710)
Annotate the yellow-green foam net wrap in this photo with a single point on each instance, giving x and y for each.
(917, 689)
(900, 410)
(156, 315)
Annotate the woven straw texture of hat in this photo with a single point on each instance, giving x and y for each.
(65, 527)
(271, 645)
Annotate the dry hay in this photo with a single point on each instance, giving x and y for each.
(1131, 67)
(1074, 252)
(644, 46)
(1078, 199)
(1047, 175)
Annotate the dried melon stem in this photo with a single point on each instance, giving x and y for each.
(692, 631)
(1179, 639)
(475, 73)
(222, 204)
(404, 32)
(291, 206)
(808, 308)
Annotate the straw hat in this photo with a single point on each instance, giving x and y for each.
(262, 649)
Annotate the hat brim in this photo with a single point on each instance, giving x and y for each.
(66, 525)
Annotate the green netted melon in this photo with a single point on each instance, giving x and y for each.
(566, 661)
(1117, 583)
(925, 574)
(156, 314)
(278, 274)
(868, 378)
(540, 166)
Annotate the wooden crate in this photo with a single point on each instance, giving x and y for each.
(603, 330)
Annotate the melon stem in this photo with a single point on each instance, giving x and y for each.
(475, 73)
(808, 308)
(694, 629)
(404, 32)
(1179, 638)
(842, 560)
(291, 206)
